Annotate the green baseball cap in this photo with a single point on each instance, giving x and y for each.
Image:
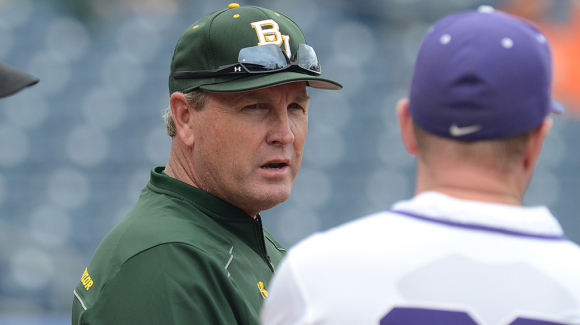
(216, 40)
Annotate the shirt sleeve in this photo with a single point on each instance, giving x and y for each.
(287, 302)
(168, 284)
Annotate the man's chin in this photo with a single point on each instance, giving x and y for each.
(269, 198)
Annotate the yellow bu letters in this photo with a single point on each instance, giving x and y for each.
(271, 35)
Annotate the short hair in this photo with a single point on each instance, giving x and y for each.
(499, 154)
(196, 99)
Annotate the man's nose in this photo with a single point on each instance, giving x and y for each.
(280, 131)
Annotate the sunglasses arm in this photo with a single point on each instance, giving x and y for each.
(224, 70)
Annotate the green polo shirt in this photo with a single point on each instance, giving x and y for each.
(180, 256)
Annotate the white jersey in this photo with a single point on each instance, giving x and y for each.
(433, 259)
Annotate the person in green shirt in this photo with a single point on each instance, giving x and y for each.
(193, 249)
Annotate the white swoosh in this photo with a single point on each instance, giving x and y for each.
(457, 131)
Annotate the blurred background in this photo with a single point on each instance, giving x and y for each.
(76, 149)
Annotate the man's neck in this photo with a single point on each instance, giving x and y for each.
(476, 195)
(179, 163)
(180, 167)
(466, 182)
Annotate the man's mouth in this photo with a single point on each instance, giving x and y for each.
(274, 165)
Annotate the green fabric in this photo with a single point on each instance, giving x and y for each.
(216, 39)
(165, 263)
(268, 80)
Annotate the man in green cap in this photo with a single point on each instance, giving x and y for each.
(193, 249)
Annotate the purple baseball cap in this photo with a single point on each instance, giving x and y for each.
(482, 74)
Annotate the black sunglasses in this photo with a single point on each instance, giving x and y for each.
(261, 59)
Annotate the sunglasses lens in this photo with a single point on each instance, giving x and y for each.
(263, 58)
(307, 58)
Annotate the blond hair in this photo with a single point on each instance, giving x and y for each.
(498, 154)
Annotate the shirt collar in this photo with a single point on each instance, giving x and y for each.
(528, 221)
(209, 204)
(229, 217)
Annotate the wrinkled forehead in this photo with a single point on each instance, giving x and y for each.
(293, 92)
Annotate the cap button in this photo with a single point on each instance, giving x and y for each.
(233, 5)
(485, 9)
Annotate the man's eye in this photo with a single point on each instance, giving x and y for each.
(252, 106)
(294, 105)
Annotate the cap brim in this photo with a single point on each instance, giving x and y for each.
(268, 80)
(557, 108)
(12, 80)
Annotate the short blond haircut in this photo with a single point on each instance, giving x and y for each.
(499, 154)
(196, 99)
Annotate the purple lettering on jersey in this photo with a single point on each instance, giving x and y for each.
(419, 316)
(525, 321)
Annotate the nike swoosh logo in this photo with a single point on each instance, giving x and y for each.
(457, 131)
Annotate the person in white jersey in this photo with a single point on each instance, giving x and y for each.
(463, 250)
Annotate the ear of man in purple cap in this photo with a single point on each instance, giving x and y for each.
(13, 80)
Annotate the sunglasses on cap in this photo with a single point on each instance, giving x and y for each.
(261, 59)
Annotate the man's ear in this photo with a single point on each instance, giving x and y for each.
(406, 126)
(536, 142)
(181, 112)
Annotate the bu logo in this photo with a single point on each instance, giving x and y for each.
(262, 290)
(271, 35)
(237, 69)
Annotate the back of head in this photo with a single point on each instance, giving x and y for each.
(500, 155)
(481, 76)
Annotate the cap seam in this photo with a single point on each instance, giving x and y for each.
(262, 11)
(172, 68)
(290, 19)
(209, 32)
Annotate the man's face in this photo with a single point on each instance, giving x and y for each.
(248, 146)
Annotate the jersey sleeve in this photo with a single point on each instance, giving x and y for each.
(168, 284)
(287, 301)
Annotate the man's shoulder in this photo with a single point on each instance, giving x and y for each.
(155, 223)
(159, 218)
(353, 235)
(148, 250)
(153, 276)
(147, 260)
